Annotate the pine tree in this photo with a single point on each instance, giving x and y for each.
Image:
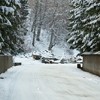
(92, 26)
(23, 29)
(10, 22)
(85, 31)
(76, 25)
(7, 13)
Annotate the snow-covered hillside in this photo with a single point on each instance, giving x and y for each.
(60, 50)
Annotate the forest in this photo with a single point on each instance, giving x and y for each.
(75, 21)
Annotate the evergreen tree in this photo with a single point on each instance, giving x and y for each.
(84, 26)
(23, 28)
(76, 25)
(92, 26)
(10, 22)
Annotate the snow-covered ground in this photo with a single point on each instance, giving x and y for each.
(59, 51)
(35, 81)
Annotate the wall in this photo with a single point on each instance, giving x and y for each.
(5, 63)
(91, 63)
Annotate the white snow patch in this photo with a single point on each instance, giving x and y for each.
(7, 10)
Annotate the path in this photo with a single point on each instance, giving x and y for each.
(50, 82)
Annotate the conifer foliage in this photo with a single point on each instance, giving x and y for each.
(10, 23)
(85, 25)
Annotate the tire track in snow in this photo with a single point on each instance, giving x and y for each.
(50, 82)
(13, 82)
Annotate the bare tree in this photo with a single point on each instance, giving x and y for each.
(34, 25)
(51, 26)
(51, 15)
(42, 10)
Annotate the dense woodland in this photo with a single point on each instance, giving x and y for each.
(51, 15)
(80, 28)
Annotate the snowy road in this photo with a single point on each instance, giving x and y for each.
(34, 81)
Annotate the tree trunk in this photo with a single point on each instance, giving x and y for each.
(34, 35)
(34, 25)
(41, 19)
(51, 40)
(38, 33)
